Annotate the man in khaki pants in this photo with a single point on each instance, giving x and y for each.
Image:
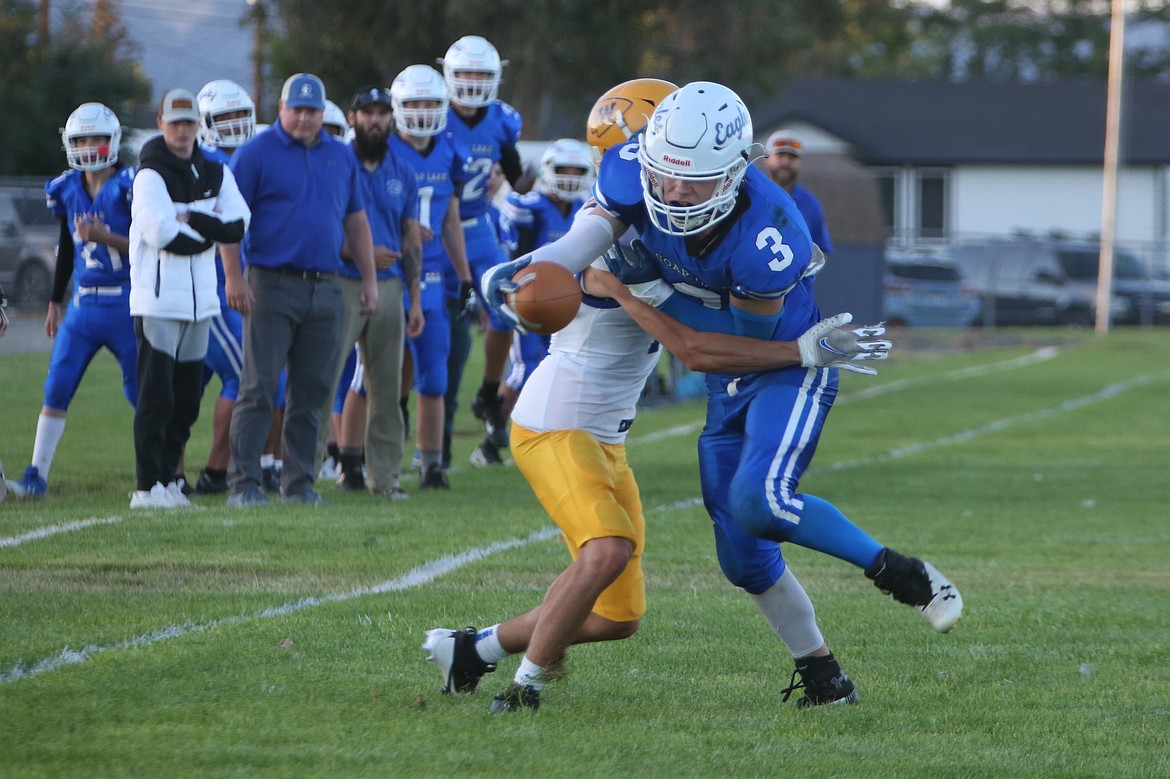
(391, 195)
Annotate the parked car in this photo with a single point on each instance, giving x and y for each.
(1047, 282)
(28, 246)
(927, 292)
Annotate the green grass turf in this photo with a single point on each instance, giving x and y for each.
(1035, 480)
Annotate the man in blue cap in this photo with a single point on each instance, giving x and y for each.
(303, 189)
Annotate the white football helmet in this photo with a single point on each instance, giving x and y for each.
(221, 97)
(554, 180)
(333, 120)
(472, 54)
(87, 121)
(415, 84)
(702, 133)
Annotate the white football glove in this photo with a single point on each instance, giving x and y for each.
(829, 344)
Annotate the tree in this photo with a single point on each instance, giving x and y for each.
(41, 83)
(563, 53)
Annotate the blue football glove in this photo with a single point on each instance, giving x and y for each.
(632, 264)
(497, 284)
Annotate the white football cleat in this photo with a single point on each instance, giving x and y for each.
(946, 604)
(454, 652)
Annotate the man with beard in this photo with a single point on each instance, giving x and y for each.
(391, 196)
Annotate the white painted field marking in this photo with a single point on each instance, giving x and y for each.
(1046, 353)
(443, 565)
(52, 530)
(416, 577)
(995, 426)
(1040, 355)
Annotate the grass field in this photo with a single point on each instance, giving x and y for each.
(284, 641)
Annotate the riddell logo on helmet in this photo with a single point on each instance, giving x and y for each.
(676, 161)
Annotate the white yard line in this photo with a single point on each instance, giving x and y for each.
(52, 530)
(1040, 355)
(995, 426)
(443, 565)
(417, 577)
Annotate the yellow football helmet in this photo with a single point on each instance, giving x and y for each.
(623, 111)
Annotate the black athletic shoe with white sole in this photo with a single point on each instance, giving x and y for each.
(823, 682)
(454, 652)
(918, 584)
(515, 697)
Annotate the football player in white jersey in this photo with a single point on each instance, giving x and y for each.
(538, 217)
(577, 408)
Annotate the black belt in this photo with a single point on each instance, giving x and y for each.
(308, 275)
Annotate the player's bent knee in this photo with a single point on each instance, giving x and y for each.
(759, 518)
(606, 558)
(622, 630)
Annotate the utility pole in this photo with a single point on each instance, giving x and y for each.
(43, 22)
(1112, 153)
(258, 15)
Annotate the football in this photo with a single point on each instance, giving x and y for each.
(549, 301)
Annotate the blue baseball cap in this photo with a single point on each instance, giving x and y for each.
(303, 90)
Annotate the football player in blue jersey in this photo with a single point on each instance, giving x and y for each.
(563, 184)
(419, 99)
(723, 249)
(578, 407)
(489, 129)
(92, 202)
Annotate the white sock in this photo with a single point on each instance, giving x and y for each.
(789, 611)
(49, 432)
(487, 645)
(529, 674)
(267, 460)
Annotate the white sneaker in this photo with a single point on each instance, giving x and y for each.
(330, 469)
(156, 498)
(946, 604)
(175, 493)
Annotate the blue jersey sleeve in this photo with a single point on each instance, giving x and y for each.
(519, 210)
(511, 124)
(618, 188)
(773, 248)
(55, 197)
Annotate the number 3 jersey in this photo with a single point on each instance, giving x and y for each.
(94, 264)
(759, 251)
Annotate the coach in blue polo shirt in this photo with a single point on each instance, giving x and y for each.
(303, 189)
